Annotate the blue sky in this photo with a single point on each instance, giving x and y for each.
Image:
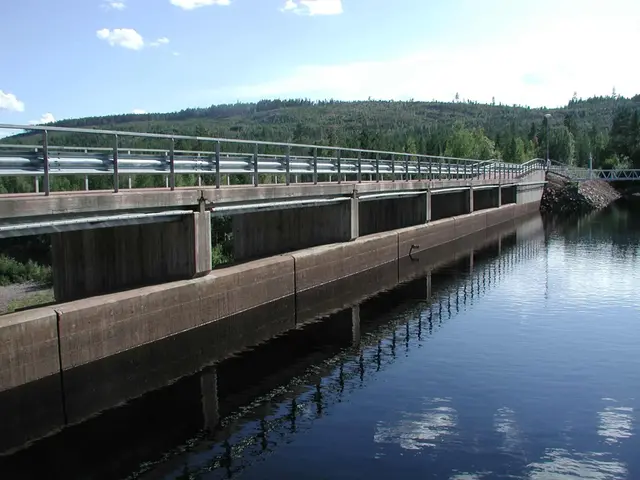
(73, 58)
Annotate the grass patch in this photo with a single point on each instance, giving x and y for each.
(13, 271)
(31, 300)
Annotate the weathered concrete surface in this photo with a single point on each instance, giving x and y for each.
(94, 262)
(98, 327)
(33, 206)
(262, 234)
(28, 347)
(320, 265)
(450, 204)
(391, 214)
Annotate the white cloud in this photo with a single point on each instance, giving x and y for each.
(46, 118)
(191, 4)
(160, 41)
(513, 71)
(114, 5)
(139, 111)
(8, 101)
(176, 54)
(313, 7)
(122, 37)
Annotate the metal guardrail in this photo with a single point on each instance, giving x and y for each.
(46, 160)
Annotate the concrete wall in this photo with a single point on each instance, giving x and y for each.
(509, 195)
(94, 262)
(529, 194)
(486, 198)
(444, 205)
(83, 331)
(383, 215)
(262, 234)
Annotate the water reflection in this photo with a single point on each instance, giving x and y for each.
(504, 357)
(417, 430)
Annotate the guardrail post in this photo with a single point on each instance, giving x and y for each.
(377, 167)
(36, 184)
(359, 166)
(287, 160)
(116, 177)
(393, 168)
(46, 185)
(172, 165)
(339, 166)
(315, 166)
(406, 168)
(255, 165)
(217, 161)
(419, 168)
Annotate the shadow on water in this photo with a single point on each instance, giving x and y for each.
(223, 389)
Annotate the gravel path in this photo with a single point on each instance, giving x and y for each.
(13, 292)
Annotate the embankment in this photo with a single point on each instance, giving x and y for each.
(562, 196)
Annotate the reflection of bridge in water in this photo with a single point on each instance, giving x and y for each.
(377, 341)
(236, 410)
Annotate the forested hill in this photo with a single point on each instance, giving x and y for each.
(464, 129)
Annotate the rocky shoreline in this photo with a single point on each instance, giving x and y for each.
(562, 196)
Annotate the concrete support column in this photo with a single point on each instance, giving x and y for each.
(470, 194)
(105, 260)
(427, 196)
(210, 404)
(354, 215)
(499, 196)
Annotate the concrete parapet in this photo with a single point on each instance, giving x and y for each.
(98, 327)
(28, 347)
(320, 265)
(422, 237)
(468, 224)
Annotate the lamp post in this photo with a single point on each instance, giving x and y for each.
(547, 116)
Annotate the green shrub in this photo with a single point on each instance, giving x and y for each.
(12, 271)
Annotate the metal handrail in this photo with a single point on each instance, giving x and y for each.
(46, 160)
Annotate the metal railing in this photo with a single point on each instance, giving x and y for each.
(581, 174)
(223, 156)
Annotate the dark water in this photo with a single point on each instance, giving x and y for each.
(520, 358)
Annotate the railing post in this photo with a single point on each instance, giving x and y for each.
(288, 165)
(255, 165)
(116, 176)
(315, 166)
(339, 166)
(359, 166)
(406, 168)
(377, 167)
(46, 185)
(419, 168)
(172, 165)
(217, 161)
(393, 168)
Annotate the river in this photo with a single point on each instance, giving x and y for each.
(518, 361)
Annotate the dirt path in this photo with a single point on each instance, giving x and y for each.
(15, 292)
